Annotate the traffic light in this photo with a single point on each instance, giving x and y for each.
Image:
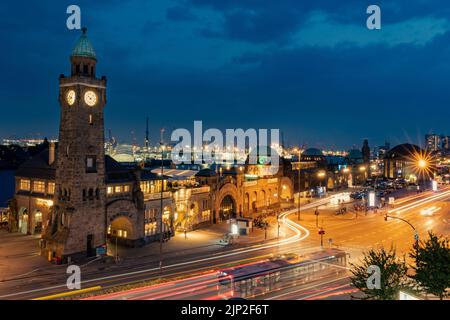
(385, 217)
(321, 231)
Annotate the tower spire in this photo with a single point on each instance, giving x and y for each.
(146, 140)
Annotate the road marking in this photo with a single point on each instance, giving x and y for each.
(306, 288)
(322, 292)
(70, 293)
(290, 224)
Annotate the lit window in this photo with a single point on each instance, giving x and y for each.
(119, 233)
(91, 121)
(25, 185)
(39, 186)
(51, 188)
(90, 164)
(118, 189)
(126, 188)
(110, 190)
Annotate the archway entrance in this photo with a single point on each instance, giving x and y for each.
(37, 221)
(227, 208)
(286, 192)
(23, 220)
(120, 230)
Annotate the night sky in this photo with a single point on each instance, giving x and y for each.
(309, 68)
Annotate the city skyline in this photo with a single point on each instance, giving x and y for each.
(226, 65)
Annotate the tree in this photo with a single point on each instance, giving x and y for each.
(432, 265)
(392, 276)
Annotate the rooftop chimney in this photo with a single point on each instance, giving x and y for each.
(51, 153)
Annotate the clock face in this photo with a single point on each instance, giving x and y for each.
(90, 97)
(70, 97)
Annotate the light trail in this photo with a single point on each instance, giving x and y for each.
(295, 227)
(322, 294)
(306, 288)
(420, 202)
(429, 211)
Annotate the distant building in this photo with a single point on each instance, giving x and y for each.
(445, 143)
(432, 142)
(399, 162)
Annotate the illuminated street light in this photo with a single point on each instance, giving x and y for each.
(422, 163)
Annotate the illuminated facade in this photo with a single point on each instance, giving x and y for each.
(77, 198)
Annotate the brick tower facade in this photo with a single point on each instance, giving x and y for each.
(77, 225)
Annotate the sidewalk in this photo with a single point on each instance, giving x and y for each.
(198, 241)
(19, 255)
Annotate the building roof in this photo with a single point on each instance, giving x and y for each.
(312, 152)
(38, 168)
(404, 150)
(84, 48)
(207, 172)
(355, 154)
(115, 172)
(176, 174)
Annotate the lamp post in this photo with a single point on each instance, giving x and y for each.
(362, 169)
(278, 221)
(416, 235)
(422, 166)
(162, 194)
(299, 188)
(321, 174)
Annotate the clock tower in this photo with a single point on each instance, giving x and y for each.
(77, 225)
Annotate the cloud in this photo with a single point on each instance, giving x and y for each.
(179, 13)
(321, 30)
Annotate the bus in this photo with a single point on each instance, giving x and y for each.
(259, 278)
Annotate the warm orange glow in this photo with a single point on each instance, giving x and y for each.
(422, 163)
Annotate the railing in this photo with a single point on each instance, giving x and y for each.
(157, 195)
(200, 190)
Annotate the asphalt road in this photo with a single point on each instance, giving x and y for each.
(351, 232)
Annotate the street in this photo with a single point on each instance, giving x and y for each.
(350, 232)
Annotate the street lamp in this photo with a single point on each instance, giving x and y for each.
(422, 163)
(422, 166)
(299, 189)
(416, 235)
(321, 174)
(162, 193)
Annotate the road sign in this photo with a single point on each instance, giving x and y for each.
(101, 251)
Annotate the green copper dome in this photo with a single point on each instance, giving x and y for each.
(84, 47)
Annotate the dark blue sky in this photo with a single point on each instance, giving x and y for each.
(310, 68)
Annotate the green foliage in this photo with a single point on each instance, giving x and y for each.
(432, 265)
(393, 274)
